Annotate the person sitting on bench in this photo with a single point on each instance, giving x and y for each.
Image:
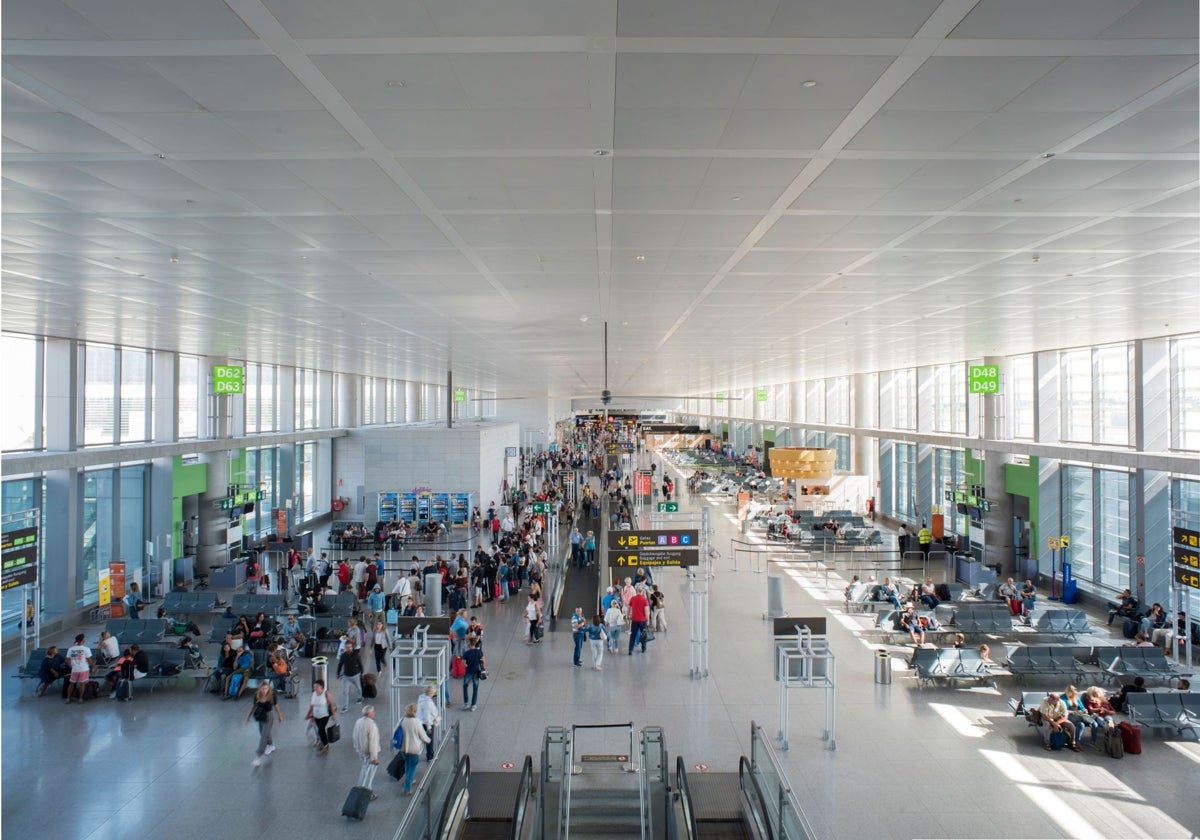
(54, 665)
(911, 624)
(1127, 608)
(1055, 719)
(1138, 686)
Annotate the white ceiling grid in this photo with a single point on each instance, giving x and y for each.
(401, 187)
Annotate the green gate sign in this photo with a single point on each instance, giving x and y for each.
(984, 379)
(229, 379)
(668, 507)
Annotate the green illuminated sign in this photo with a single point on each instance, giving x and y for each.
(228, 379)
(760, 394)
(460, 395)
(984, 379)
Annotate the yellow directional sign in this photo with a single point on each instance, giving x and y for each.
(1064, 541)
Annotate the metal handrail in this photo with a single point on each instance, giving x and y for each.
(524, 791)
(786, 800)
(458, 788)
(754, 795)
(419, 806)
(685, 797)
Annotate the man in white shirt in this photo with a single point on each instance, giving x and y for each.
(359, 577)
(79, 656)
(507, 525)
(400, 592)
(366, 744)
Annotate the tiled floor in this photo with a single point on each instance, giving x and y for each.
(910, 762)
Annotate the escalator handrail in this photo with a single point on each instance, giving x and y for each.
(462, 781)
(685, 797)
(755, 795)
(524, 790)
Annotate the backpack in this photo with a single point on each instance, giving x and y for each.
(1113, 745)
(1130, 629)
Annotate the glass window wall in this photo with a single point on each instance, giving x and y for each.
(1077, 516)
(1024, 397)
(1112, 396)
(99, 394)
(21, 369)
(1185, 393)
(135, 396)
(189, 397)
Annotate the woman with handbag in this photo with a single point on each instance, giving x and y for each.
(322, 712)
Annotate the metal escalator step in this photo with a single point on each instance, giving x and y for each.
(721, 829)
(493, 795)
(486, 830)
(715, 796)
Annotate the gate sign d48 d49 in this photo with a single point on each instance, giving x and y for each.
(984, 379)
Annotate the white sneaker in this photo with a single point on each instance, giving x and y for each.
(270, 749)
(257, 762)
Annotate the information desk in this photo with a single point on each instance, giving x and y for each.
(973, 573)
(230, 576)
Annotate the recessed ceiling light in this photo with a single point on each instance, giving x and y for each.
(303, 257)
(1048, 155)
(601, 152)
(640, 257)
(736, 198)
(624, 323)
(583, 319)
(174, 259)
(362, 323)
(395, 83)
(810, 83)
(1035, 258)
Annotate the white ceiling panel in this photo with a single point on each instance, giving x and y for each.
(136, 20)
(1034, 19)
(777, 81)
(756, 128)
(969, 84)
(1099, 83)
(503, 114)
(655, 80)
(850, 18)
(353, 18)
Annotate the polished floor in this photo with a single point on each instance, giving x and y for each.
(910, 762)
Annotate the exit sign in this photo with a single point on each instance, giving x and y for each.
(228, 379)
(668, 507)
(540, 507)
(760, 394)
(984, 379)
(460, 395)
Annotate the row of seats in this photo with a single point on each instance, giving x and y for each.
(189, 603)
(271, 604)
(1177, 711)
(933, 664)
(1149, 663)
(140, 631)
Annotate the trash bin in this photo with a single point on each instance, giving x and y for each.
(883, 668)
(775, 597)
(320, 670)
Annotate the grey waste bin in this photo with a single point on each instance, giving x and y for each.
(883, 667)
(320, 670)
(775, 597)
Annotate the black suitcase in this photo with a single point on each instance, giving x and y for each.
(357, 803)
(124, 690)
(310, 648)
(395, 767)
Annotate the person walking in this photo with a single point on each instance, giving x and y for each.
(589, 548)
(533, 616)
(366, 744)
(383, 643)
(639, 615)
(578, 634)
(265, 712)
(412, 737)
(596, 640)
(349, 670)
(427, 714)
(614, 618)
(321, 711)
(475, 665)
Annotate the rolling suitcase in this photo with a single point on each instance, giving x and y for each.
(124, 690)
(395, 767)
(235, 684)
(357, 803)
(368, 686)
(1131, 737)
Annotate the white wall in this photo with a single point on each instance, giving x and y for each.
(468, 458)
(536, 417)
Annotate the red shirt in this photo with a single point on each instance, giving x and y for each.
(639, 608)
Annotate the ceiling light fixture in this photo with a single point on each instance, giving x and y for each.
(1047, 155)
(601, 152)
(809, 83)
(395, 83)
(736, 198)
(174, 259)
(583, 319)
(624, 323)
(640, 257)
(1035, 258)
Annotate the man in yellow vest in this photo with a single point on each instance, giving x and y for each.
(925, 538)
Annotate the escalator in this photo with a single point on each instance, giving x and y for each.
(486, 806)
(721, 806)
(581, 586)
